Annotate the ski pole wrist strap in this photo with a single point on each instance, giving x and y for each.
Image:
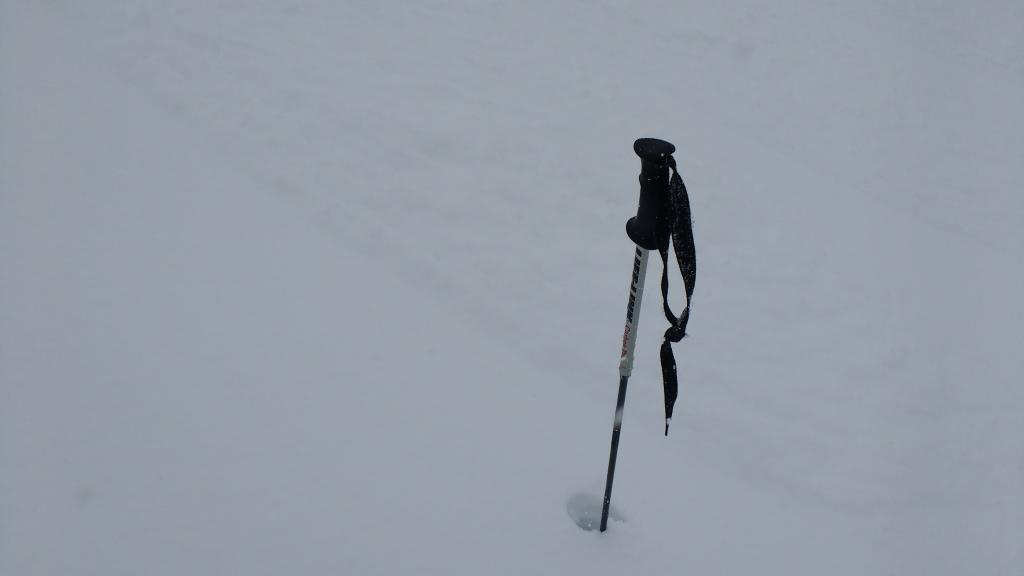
(663, 218)
(680, 229)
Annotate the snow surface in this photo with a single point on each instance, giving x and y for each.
(311, 287)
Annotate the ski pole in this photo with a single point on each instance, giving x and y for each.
(649, 230)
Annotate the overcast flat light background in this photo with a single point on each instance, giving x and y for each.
(318, 287)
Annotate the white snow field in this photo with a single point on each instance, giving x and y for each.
(319, 287)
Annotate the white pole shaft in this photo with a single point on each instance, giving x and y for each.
(636, 293)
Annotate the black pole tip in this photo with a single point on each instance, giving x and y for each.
(653, 149)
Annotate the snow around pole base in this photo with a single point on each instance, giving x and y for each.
(585, 511)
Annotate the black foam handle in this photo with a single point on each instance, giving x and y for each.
(649, 229)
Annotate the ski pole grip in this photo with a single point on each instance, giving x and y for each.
(649, 229)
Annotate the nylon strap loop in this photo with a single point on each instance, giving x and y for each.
(681, 231)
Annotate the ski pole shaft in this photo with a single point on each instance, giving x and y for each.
(636, 293)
